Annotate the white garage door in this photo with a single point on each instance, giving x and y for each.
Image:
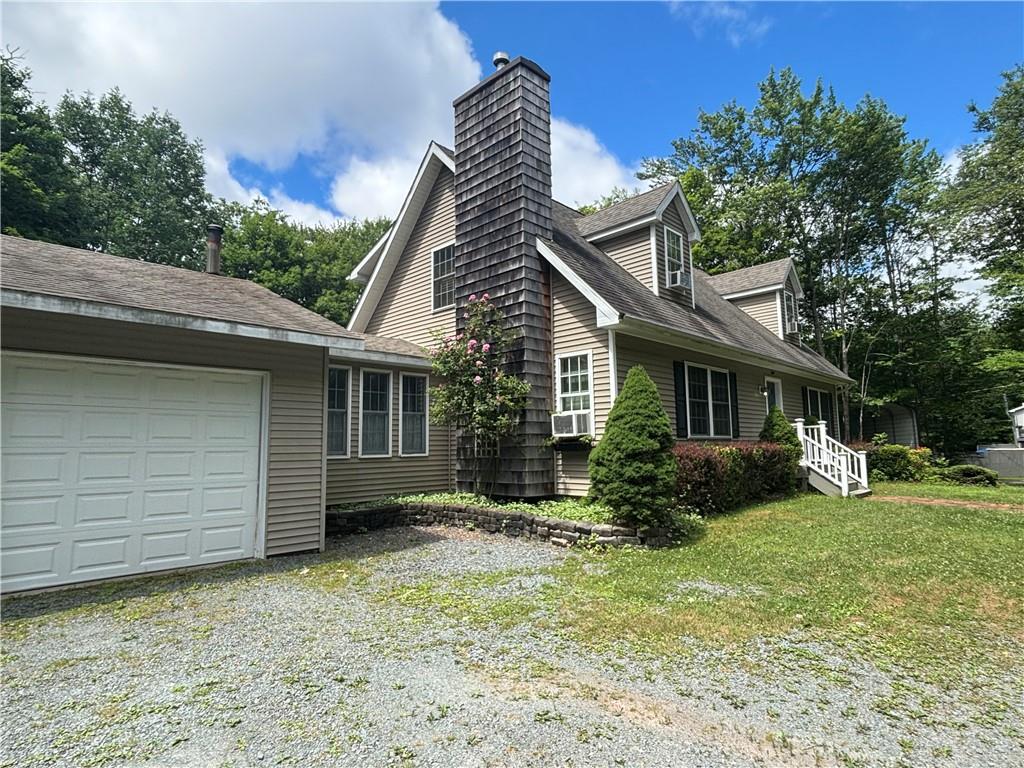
(110, 468)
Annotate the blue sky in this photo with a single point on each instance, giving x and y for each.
(325, 109)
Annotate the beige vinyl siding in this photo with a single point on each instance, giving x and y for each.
(406, 309)
(633, 251)
(658, 360)
(671, 218)
(764, 308)
(353, 479)
(574, 329)
(295, 455)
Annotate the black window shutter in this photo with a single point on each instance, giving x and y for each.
(734, 402)
(681, 412)
(806, 401)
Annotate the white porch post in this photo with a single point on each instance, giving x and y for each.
(862, 461)
(798, 425)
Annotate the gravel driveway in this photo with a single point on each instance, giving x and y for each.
(301, 661)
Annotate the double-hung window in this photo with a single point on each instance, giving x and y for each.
(821, 406)
(444, 277)
(574, 393)
(708, 401)
(790, 312)
(412, 422)
(675, 271)
(337, 411)
(375, 414)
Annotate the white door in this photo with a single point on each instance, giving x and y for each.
(112, 468)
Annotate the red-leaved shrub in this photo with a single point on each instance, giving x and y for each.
(714, 478)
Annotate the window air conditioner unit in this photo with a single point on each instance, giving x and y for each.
(571, 424)
(679, 279)
(792, 327)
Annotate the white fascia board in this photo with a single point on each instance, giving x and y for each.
(606, 313)
(796, 278)
(395, 242)
(683, 340)
(676, 196)
(752, 291)
(363, 269)
(621, 229)
(395, 359)
(82, 308)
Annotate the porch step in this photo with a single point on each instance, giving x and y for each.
(860, 493)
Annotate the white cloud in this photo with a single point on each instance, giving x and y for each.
(738, 22)
(359, 88)
(951, 162)
(366, 188)
(582, 169)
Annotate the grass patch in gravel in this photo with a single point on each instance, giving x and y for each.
(1000, 494)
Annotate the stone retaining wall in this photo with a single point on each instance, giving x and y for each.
(562, 533)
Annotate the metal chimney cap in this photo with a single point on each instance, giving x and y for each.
(214, 229)
(500, 59)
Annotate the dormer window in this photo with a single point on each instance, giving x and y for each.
(676, 274)
(789, 305)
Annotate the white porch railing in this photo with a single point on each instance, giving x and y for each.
(832, 460)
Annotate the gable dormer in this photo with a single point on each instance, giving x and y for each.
(649, 235)
(770, 293)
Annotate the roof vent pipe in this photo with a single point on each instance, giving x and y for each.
(500, 59)
(213, 236)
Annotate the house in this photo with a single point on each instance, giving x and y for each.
(1017, 417)
(591, 296)
(157, 418)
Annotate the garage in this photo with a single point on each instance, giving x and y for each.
(112, 468)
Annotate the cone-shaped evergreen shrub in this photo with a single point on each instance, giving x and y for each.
(777, 429)
(631, 468)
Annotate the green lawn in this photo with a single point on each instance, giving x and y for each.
(1001, 494)
(937, 591)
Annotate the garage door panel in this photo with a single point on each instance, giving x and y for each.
(105, 508)
(114, 385)
(30, 564)
(39, 381)
(225, 541)
(167, 549)
(170, 465)
(33, 469)
(34, 513)
(104, 426)
(107, 555)
(126, 469)
(172, 427)
(171, 504)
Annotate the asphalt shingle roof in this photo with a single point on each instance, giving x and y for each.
(637, 207)
(714, 318)
(752, 278)
(56, 270)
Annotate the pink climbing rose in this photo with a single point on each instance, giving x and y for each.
(477, 380)
(486, 348)
(472, 297)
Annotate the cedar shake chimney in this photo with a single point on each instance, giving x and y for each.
(502, 205)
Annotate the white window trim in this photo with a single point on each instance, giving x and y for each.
(391, 412)
(348, 413)
(426, 413)
(774, 380)
(682, 258)
(789, 294)
(590, 378)
(432, 254)
(711, 418)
